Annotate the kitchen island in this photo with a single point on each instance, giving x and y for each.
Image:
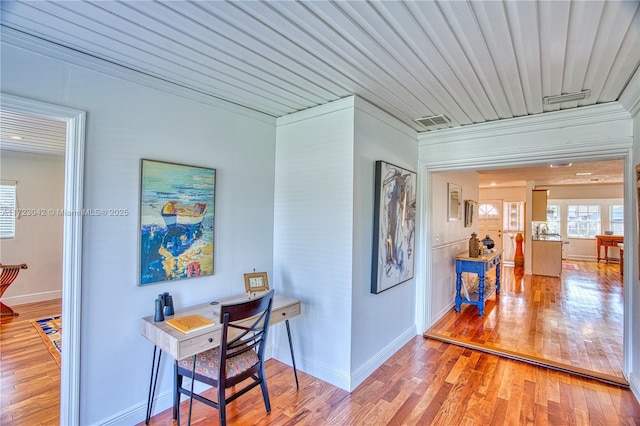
(546, 255)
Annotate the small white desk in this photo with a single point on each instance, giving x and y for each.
(180, 345)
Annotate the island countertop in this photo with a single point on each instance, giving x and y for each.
(547, 237)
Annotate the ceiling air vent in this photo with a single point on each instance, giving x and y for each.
(434, 120)
(568, 97)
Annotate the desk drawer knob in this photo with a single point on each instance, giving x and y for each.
(284, 314)
(210, 340)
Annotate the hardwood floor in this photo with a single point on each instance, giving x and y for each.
(574, 322)
(29, 376)
(429, 382)
(426, 382)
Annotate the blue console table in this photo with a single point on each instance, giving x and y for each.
(480, 266)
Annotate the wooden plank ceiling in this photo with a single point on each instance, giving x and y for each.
(474, 61)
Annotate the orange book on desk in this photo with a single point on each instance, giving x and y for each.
(189, 323)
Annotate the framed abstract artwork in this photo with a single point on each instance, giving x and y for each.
(394, 222)
(176, 221)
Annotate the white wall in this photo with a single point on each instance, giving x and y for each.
(38, 239)
(511, 193)
(383, 322)
(126, 122)
(448, 238)
(594, 192)
(322, 237)
(313, 234)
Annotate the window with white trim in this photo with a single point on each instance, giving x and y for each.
(583, 221)
(7, 209)
(553, 219)
(487, 211)
(616, 219)
(513, 216)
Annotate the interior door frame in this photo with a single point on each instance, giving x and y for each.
(72, 244)
(424, 291)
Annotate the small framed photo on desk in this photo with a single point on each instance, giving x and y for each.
(256, 281)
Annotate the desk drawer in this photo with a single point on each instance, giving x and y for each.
(193, 345)
(285, 313)
(493, 262)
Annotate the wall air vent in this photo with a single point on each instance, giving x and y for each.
(434, 120)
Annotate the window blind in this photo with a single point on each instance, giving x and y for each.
(7, 209)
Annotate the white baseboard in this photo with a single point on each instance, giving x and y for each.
(583, 258)
(634, 384)
(361, 373)
(332, 376)
(438, 315)
(339, 378)
(137, 413)
(32, 298)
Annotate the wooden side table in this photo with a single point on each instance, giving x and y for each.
(621, 247)
(480, 266)
(607, 241)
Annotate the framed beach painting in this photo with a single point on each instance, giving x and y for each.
(394, 223)
(176, 221)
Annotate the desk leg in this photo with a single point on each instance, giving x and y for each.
(193, 380)
(293, 359)
(153, 381)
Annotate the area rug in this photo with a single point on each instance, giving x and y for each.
(572, 266)
(50, 329)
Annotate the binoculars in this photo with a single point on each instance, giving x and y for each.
(163, 302)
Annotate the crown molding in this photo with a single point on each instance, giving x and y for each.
(21, 40)
(350, 102)
(317, 111)
(608, 113)
(32, 156)
(630, 97)
(374, 111)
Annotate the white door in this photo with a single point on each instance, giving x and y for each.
(490, 221)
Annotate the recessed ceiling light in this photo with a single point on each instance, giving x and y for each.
(584, 174)
(16, 137)
(550, 100)
(556, 165)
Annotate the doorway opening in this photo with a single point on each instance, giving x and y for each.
(72, 243)
(613, 271)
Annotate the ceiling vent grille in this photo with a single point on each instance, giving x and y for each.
(434, 120)
(568, 97)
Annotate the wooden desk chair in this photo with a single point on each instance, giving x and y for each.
(8, 275)
(239, 357)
